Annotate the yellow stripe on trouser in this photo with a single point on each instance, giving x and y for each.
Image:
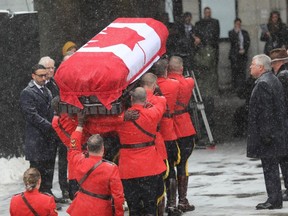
(178, 154)
(167, 170)
(161, 196)
(186, 163)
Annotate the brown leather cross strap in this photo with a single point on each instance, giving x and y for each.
(63, 130)
(82, 190)
(28, 205)
(89, 172)
(138, 145)
(143, 130)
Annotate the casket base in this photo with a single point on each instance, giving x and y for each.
(92, 108)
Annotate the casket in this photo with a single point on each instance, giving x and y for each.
(97, 75)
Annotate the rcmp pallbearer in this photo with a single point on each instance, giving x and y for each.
(140, 164)
(183, 127)
(32, 202)
(98, 179)
(148, 82)
(169, 88)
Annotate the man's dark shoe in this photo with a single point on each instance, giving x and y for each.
(267, 205)
(57, 199)
(65, 194)
(173, 211)
(285, 196)
(58, 207)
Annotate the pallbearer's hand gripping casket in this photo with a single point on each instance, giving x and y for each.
(103, 68)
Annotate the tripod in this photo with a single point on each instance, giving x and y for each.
(199, 105)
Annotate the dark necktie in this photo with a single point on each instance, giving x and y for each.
(45, 92)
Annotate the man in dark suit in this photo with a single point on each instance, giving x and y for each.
(238, 54)
(266, 127)
(39, 145)
(49, 64)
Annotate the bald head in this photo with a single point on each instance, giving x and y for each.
(175, 64)
(148, 81)
(138, 96)
(160, 68)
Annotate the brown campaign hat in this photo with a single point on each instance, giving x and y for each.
(279, 54)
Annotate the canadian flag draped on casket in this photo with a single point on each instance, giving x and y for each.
(111, 60)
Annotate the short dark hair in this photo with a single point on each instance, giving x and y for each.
(95, 143)
(207, 8)
(187, 14)
(237, 19)
(138, 95)
(37, 67)
(160, 67)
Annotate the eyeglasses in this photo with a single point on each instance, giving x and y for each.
(50, 68)
(41, 75)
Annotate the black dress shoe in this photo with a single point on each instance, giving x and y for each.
(267, 205)
(285, 196)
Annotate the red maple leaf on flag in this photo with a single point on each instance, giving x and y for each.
(113, 36)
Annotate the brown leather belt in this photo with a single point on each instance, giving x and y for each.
(168, 115)
(100, 196)
(138, 145)
(179, 112)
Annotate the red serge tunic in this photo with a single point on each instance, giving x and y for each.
(146, 161)
(159, 141)
(182, 122)
(43, 204)
(170, 90)
(104, 180)
(64, 126)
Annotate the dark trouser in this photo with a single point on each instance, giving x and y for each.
(238, 74)
(46, 169)
(141, 194)
(186, 146)
(172, 154)
(62, 167)
(272, 180)
(112, 146)
(284, 170)
(73, 188)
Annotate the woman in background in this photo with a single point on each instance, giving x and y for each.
(275, 33)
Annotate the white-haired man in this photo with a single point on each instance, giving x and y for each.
(266, 121)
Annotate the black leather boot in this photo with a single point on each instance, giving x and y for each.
(171, 208)
(160, 207)
(183, 203)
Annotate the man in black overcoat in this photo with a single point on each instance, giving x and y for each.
(266, 127)
(49, 64)
(39, 145)
(279, 60)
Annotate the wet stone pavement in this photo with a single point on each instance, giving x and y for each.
(223, 182)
